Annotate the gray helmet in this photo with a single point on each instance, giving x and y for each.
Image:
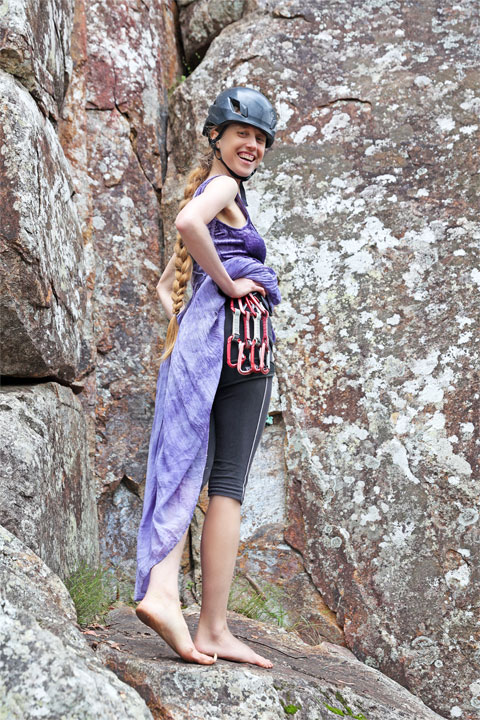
(242, 105)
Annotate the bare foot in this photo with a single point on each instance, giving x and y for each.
(227, 646)
(165, 617)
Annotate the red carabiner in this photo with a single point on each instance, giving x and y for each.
(229, 352)
(265, 369)
(240, 305)
(257, 302)
(253, 364)
(251, 305)
(241, 359)
(265, 347)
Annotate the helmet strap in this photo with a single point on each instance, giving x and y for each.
(242, 178)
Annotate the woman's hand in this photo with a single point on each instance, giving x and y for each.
(242, 286)
(165, 287)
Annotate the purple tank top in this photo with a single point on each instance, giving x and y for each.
(231, 241)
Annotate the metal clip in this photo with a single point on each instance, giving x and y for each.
(251, 309)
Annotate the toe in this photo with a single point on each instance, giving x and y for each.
(203, 659)
(264, 662)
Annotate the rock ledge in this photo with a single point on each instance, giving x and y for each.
(304, 680)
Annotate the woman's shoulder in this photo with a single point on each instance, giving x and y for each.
(220, 180)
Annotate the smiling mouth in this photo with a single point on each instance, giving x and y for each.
(247, 159)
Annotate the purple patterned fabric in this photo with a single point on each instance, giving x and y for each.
(186, 386)
(231, 241)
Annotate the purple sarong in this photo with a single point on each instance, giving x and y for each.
(186, 387)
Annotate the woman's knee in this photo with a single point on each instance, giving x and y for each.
(235, 495)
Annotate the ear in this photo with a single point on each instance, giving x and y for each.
(213, 133)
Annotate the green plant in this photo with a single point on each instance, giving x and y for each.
(92, 590)
(291, 709)
(309, 631)
(347, 711)
(338, 711)
(188, 69)
(257, 602)
(180, 79)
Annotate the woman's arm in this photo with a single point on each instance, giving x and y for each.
(191, 223)
(165, 286)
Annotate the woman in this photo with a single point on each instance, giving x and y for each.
(212, 400)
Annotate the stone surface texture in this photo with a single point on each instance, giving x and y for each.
(130, 62)
(35, 48)
(43, 299)
(113, 125)
(202, 20)
(47, 668)
(361, 520)
(367, 202)
(47, 494)
(305, 681)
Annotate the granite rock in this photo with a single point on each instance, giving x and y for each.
(47, 668)
(202, 20)
(311, 683)
(47, 495)
(366, 202)
(35, 48)
(43, 297)
(128, 60)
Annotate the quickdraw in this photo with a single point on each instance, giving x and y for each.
(254, 352)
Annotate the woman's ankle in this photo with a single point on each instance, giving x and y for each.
(163, 596)
(214, 628)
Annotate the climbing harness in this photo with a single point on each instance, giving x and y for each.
(253, 347)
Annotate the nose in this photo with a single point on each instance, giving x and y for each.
(254, 146)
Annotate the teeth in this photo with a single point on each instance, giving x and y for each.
(246, 157)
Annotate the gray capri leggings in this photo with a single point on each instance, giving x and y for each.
(237, 421)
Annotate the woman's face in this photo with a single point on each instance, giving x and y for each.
(242, 147)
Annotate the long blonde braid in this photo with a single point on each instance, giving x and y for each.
(183, 260)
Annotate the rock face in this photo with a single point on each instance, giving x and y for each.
(34, 47)
(366, 202)
(46, 666)
(120, 517)
(125, 63)
(47, 496)
(113, 129)
(201, 21)
(43, 297)
(311, 683)
(362, 505)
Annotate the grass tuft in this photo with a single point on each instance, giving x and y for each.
(261, 602)
(93, 590)
(267, 602)
(347, 711)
